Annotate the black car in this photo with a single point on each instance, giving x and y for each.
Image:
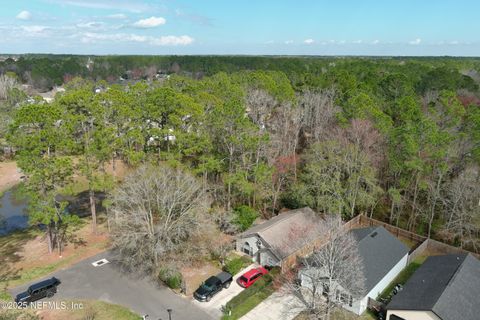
(212, 286)
(37, 291)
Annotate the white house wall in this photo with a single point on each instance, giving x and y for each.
(378, 289)
(252, 241)
(266, 257)
(359, 306)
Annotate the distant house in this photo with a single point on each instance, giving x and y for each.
(278, 241)
(383, 257)
(443, 288)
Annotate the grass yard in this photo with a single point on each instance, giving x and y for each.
(24, 255)
(97, 310)
(340, 314)
(403, 277)
(249, 298)
(409, 243)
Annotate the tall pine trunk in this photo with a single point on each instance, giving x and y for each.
(93, 210)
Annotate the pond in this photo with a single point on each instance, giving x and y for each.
(13, 208)
(13, 215)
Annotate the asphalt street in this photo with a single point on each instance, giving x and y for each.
(109, 284)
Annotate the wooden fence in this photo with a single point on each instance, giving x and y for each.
(396, 231)
(420, 245)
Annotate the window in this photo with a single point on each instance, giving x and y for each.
(343, 298)
(247, 249)
(256, 276)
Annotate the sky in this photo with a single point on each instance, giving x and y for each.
(250, 27)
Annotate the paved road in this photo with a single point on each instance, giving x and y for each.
(107, 283)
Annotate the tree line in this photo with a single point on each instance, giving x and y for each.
(397, 139)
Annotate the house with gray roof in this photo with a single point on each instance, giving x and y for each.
(443, 288)
(278, 241)
(383, 258)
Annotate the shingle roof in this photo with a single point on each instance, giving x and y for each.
(275, 232)
(447, 285)
(380, 252)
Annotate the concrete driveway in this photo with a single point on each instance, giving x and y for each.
(214, 306)
(107, 283)
(279, 306)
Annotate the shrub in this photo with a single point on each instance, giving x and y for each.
(234, 265)
(244, 217)
(172, 278)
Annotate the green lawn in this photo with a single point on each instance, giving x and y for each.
(97, 310)
(403, 277)
(340, 314)
(10, 245)
(249, 298)
(103, 311)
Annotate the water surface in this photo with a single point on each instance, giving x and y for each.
(13, 215)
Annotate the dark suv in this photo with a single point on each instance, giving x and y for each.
(37, 291)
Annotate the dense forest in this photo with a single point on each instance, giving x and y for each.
(394, 138)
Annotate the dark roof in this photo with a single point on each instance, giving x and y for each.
(281, 233)
(447, 285)
(380, 252)
(359, 234)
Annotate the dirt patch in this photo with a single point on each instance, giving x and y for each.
(194, 276)
(26, 257)
(9, 175)
(35, 252)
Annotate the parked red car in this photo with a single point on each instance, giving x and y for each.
(249, 277)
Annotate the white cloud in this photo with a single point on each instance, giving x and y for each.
(172, 41)
(309, 41)
(92, 37)
(375, 41)
(90, 25)
(289, 42)
(270, 42)
(416, 41)
(24, 15)
(150, 22)
(357, 42)
(34, 29)
(119, 16)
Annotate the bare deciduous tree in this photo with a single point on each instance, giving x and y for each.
(462, 209)
(331, 276)
(319, 113)
(154, 212)
(6, 84)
